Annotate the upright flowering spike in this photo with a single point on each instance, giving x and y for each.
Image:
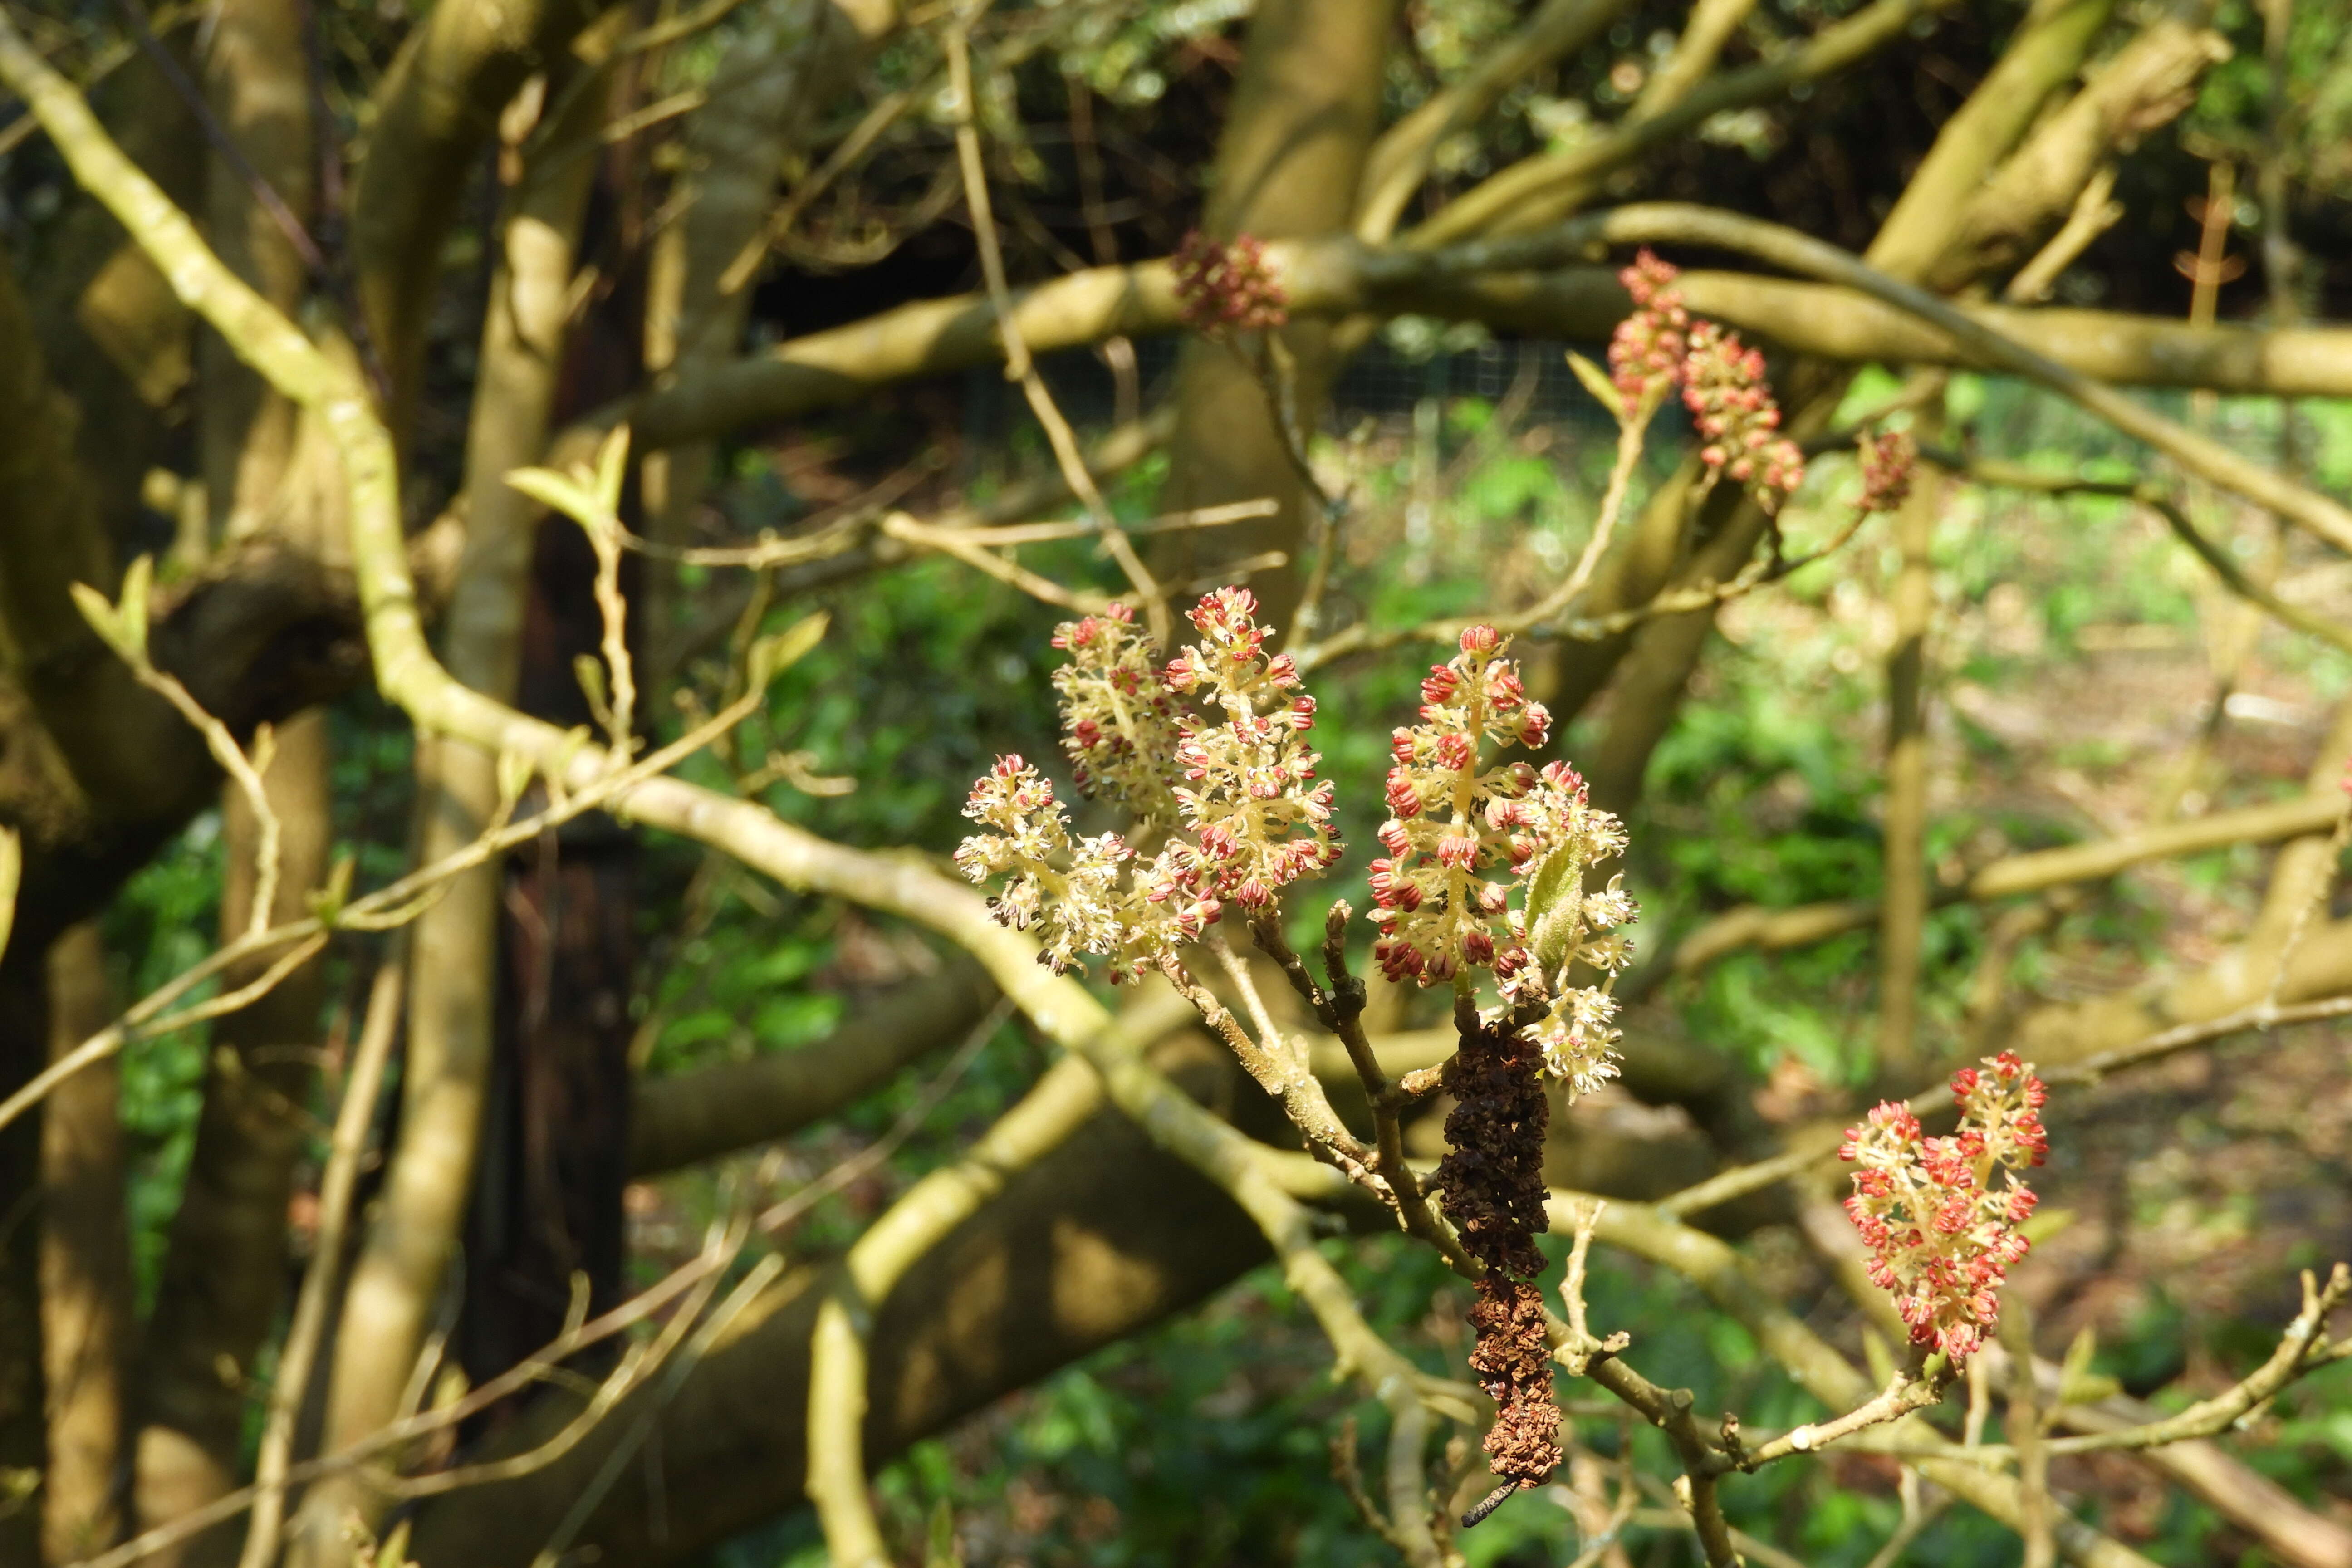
(1724, 387)
(1463, 834)
(1032, 832)
(1942, 1236)
(1118, 726)
(1645, 353)
(1452, 818)
(1223, 288)
(1248, 791)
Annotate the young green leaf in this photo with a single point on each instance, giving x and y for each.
(556, 492)
(1596, 382)
(770, 656)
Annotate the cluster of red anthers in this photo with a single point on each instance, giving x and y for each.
(1724, 388)
(1234, 788)
(1646, 355)
(1887, 459)
(1942, 1235)
(1450, 818)
(1248, 790)
(1227, 286)
(1660, 346)
(1119, 721)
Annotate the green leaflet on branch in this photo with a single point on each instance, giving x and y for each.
(770, 657)
(122, 623)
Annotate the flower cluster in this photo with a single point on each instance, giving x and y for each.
(1248, 792)
(1118, 726)
(1887, 459)
(1089, 895)
(1572, 927)
(1235, 791)
(1724, 388)
(1227, 287)
(1461, 835)
(1942, 1236)
(1645, 353)
(1660, 347)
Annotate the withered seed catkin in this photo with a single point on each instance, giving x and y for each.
(1494, 1193)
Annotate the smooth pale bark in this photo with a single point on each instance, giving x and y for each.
(223, 1270)
(686, 1118)
(120, 348)
(113, 737)
(257, 79)
(434, 113)
(1289, 161)
(397, 1278)
(935, 337)
(1539, 191)
(1645, 695)
(2049, 49)
(2147, 82)
(98, 772)
(801, 58)
(87, 1324)
(24, 1423)
(223, 1286)
(1401, 160)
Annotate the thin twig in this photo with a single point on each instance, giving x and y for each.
(1018, 366)
(1340, 1009)
(2023, 1423)
(2303, 1348)
(245, 771)
(305, 1330)
(1742, 1180)
(392, 905)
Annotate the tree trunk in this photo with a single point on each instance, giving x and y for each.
(224, 1272)
(85, 1314)
(555, 1152)
(24, 1428)
(1304, 115)
(397, 1282)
